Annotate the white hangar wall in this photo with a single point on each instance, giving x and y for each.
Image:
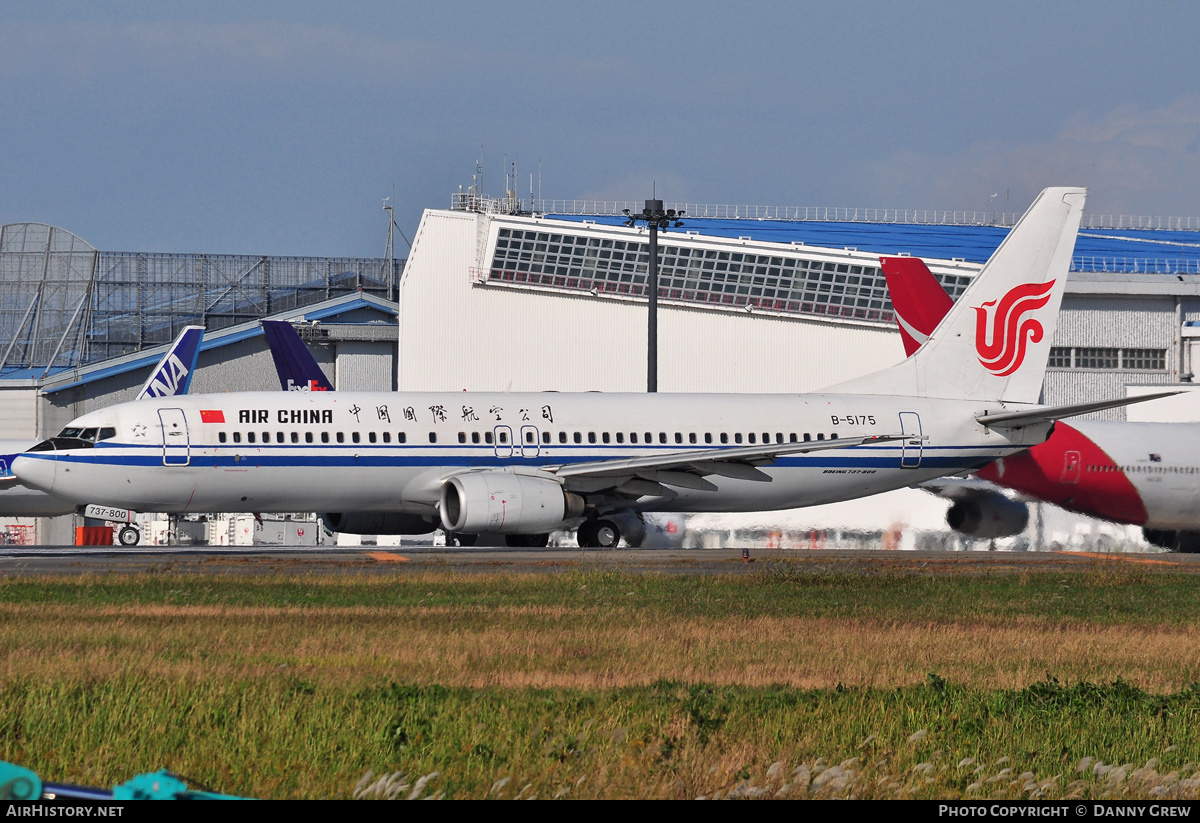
(459, 332)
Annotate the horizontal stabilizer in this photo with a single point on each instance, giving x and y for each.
(1046, 414)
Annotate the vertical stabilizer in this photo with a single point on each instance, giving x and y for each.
(297, 368)
(173, 374)
(994, 341)
(918, 299)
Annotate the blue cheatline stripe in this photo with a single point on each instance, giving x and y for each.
(563, 452)
(255, 460)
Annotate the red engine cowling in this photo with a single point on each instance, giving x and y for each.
(505, 503)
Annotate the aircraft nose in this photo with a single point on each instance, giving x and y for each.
(36, 472)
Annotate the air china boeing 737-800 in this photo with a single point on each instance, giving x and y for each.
(1144, 474)
(525, 464)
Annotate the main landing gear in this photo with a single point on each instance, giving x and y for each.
(129, 536)
(598, 534)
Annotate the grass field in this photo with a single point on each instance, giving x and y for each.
(597, 684)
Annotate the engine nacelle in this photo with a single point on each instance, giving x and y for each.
(988, 516)
(377, 523)
(505, 503)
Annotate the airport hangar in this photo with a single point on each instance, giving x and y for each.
(496, 297)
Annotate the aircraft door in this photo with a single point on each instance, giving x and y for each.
(912, 445)
(176, 443)
(529, 441)
(503, 441)
(1070, 472)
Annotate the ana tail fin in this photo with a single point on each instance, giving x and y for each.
(994, 341)
(173, 374)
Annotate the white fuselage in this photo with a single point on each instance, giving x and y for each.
(348, 451)
(1161, 461)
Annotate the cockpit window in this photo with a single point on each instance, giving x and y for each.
(75, 437)
(91, 435)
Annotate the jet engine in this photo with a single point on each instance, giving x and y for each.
(987, 516)
(505, 503)
(377, 523)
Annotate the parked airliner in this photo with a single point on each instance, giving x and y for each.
(1143, 474)
(171, 376)
(524, 464)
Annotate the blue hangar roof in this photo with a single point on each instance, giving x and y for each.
(1122, 250)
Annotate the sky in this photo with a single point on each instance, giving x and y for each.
(280, 127)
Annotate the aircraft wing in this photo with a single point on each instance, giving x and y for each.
(1046, 414)
(688, 469)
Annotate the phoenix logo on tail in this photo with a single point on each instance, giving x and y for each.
(1002, 346)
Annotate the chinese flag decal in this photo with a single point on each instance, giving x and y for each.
(212, 416)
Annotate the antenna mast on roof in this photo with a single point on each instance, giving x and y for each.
(389, 205)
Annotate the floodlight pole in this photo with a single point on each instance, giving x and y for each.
(655, 218)
(652, 325)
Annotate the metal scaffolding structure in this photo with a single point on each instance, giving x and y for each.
(64, 304)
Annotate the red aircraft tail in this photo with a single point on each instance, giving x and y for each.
(918, 299)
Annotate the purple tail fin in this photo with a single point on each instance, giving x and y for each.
(297, 368)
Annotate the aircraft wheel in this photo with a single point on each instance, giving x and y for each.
(528, 541)
(607, 535)
(129, 536)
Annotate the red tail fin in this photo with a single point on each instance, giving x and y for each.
(918, 299)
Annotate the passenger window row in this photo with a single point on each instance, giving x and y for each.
(310, 437)
(502, 437)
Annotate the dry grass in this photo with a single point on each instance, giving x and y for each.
(566, 647)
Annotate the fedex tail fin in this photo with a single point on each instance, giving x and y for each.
(173, 374)
(994, 341)
(918, 299)
(297, 368)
